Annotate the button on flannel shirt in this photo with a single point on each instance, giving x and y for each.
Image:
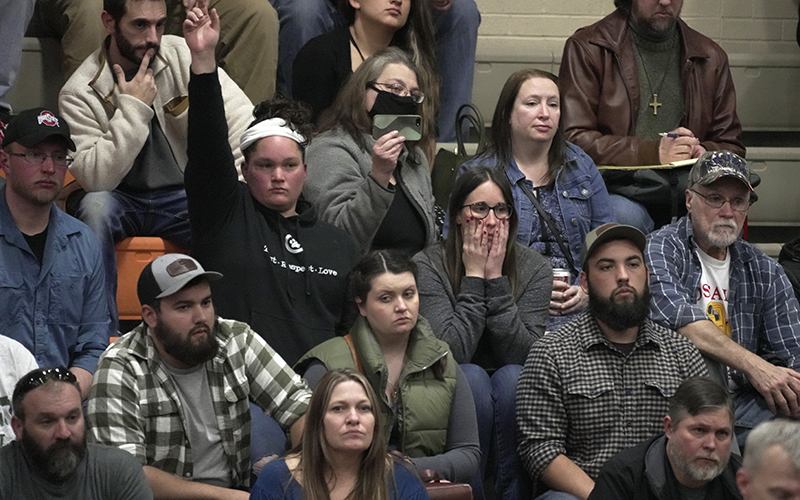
(580, 397)
(762, 308)
(133, 404)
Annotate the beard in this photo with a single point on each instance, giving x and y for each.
(128, 51)
(57, 462)
(32, 195)
(695, 471)
(657, 26)
(182, 348)
(723, 233)
(620, 314)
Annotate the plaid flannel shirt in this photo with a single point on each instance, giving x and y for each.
(133, 404)
(762, 308)
(580, 397)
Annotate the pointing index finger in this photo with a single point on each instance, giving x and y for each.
(145, 61)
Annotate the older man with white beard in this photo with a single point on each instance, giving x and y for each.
(729, 298)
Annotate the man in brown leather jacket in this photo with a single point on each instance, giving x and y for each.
(606, 102)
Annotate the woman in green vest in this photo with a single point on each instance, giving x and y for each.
(425, 400)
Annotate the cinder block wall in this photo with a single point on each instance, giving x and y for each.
(739, 26)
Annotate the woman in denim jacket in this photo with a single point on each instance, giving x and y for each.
(528, 143)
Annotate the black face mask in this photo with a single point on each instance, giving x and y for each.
(387, 103)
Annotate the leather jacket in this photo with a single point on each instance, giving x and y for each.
(600, 94)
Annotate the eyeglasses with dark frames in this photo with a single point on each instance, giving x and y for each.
(37, 158)
(395, 88)
(481, 210)
(714, 200)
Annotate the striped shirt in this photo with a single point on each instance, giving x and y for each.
(579, 396)
(133, 404)
(762, 308)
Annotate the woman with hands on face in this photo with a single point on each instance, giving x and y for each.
(527, 144)
(487, 296)
(376, 190)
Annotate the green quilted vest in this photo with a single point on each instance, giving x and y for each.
(423, 409)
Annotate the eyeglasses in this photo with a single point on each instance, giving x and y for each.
(37, 158)
(717, 201)
(397, 89)
(40, 377)
(481, 210)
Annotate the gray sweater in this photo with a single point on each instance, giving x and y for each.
(345, 195)
(485, 312)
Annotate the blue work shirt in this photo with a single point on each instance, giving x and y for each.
(57, 310)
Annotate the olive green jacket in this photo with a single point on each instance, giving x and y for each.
(422, 410)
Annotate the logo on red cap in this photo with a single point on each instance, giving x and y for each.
(47, 118)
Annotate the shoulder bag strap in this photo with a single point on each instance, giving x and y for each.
(545, 217)
(349, 339)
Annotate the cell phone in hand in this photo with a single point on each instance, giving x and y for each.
(408, 126)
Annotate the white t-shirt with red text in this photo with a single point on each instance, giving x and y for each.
(713, 291)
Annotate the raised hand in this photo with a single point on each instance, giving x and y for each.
(497, 250)
(143, 85)
(201, 32)
(474, 247)
(385, 153)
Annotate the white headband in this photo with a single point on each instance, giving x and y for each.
(268, 128)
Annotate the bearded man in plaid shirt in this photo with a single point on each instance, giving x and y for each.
(602, 382)
(174, 391)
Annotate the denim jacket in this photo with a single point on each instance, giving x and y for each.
(583, 198)
(58, 310)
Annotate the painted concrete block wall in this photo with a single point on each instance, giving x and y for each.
(739, 26)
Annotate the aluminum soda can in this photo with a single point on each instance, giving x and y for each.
(561, 274)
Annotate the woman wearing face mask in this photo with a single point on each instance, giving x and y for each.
(423, 396)
(324, 63)
(377, 191)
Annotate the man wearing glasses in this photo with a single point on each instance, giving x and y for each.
(734, 302)
(50, 458)
(52, 284)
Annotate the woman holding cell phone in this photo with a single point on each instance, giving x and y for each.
(377, 190)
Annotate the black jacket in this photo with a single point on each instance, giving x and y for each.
(285, 277)
(644, 473)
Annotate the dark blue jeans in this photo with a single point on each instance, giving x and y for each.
(116, 215)
(496, 404)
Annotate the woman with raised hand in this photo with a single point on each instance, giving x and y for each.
(343, 451)
(558, 192)
(377, 190)
(424, 397)
(487, 296)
